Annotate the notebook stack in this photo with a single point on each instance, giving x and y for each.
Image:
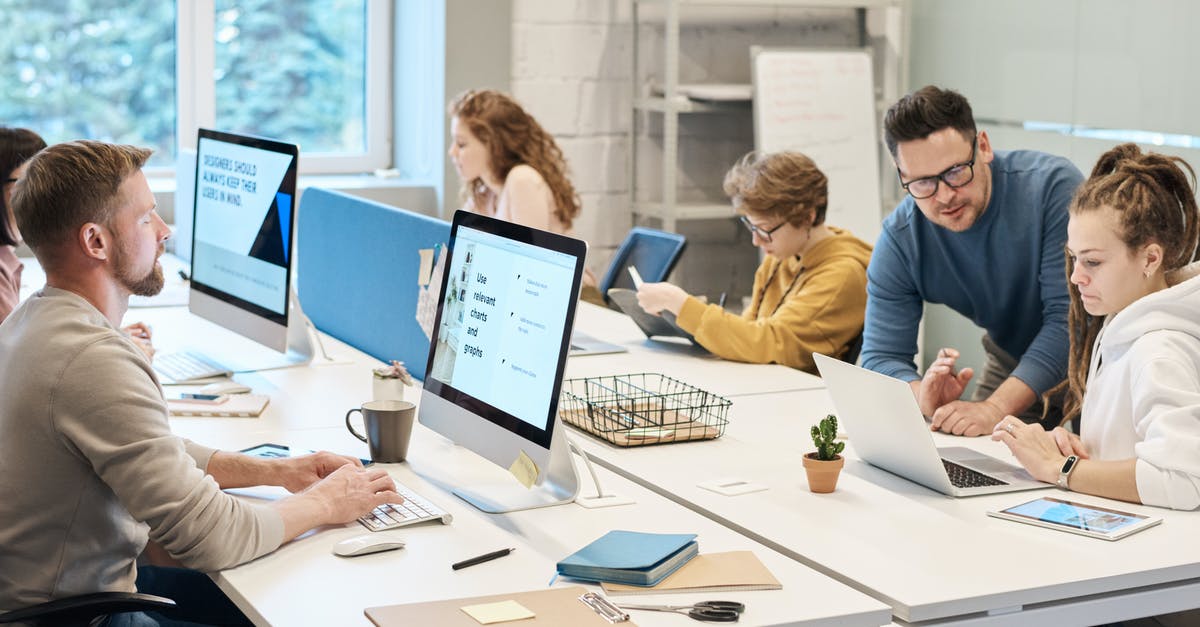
(630, 557)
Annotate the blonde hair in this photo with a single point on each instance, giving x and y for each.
(513, 137)
(784, 185)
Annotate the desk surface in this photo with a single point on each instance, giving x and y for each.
(303, 583)
(678, 359)
(928, 555)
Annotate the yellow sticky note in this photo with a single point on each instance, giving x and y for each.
(502, 612)
(426, 267)
(524, 470)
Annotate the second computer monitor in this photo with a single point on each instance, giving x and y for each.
(498, 354)
(244, 209)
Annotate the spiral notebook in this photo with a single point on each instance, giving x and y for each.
(238, 406)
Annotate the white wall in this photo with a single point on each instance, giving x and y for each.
(572, 68)
(1085, 63)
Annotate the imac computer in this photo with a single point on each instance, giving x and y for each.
(497, 355)
(244, 206)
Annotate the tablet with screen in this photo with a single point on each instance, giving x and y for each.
(1087, 520)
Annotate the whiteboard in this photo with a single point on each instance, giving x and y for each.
(822, 103)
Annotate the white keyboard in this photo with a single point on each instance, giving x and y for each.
(415, 509)
(187, 366)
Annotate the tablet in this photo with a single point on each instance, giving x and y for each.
(271, 451)
(1086, 520)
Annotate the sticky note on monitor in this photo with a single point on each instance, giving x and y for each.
(524, 469)
(426, 268)
(502, 612)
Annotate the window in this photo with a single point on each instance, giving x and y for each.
(147, 72)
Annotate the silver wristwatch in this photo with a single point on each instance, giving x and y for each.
(1064, 474)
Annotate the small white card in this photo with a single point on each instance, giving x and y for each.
(502, 612)
(732, 486)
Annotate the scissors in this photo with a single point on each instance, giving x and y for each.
(704, 611)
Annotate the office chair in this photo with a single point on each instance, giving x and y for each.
(854, 349)
(654, 254)
(85, 608)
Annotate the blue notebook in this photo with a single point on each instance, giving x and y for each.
(630, 557)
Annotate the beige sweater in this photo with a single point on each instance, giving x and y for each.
(89, 467)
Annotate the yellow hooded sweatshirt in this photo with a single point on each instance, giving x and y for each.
(800, 306)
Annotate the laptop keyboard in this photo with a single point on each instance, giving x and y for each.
(963, 477)
(187, 366)
(415, 509)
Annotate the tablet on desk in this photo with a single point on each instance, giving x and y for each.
(271, 451)
(1087, 520)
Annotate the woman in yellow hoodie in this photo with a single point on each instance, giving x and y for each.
(810, 293)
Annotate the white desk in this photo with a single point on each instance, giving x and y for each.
(929, 556)
(680, 360)
(303, 583)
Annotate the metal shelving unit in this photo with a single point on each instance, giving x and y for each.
(671, 104)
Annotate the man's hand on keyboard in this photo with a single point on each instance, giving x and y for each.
(343, 496)
(298, 473)
(351, 491)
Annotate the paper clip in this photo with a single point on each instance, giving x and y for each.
(604, 607)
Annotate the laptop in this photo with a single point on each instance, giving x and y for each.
(888, 431)
(584, 344)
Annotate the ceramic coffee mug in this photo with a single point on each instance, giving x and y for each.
(389, 427)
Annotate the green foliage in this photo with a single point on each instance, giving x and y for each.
(106, 69)
(823, 434)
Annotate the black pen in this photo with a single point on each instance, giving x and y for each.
(486, 557)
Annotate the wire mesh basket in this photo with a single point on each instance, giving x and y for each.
(641, 409)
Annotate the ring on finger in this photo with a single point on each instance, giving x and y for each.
(1009, 428)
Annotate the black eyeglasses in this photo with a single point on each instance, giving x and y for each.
(10, 180)
(763, 234)
(954, 176)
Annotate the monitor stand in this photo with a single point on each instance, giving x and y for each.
(241, 354)
(559, 484)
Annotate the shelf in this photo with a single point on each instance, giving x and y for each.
(683, 104)
(684, 211)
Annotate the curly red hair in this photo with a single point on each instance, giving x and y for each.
(513, 137)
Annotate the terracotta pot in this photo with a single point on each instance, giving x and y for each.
(822, 476)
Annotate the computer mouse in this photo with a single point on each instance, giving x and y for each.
(225, 387)
(367, 544)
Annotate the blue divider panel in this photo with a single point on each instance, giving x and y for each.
(357, 273)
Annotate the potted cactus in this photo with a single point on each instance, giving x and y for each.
(824, 465)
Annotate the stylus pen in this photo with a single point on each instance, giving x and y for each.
(486, 557)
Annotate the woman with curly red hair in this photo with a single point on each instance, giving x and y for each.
(510, 166)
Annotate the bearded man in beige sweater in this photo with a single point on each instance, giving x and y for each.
(89, 468)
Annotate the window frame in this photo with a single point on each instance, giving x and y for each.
(196, 96)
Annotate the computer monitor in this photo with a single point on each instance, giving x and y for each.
(244, 207)
(497, 355)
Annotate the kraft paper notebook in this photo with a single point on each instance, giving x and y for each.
(238, 406)
(710, 572)
(553, 606)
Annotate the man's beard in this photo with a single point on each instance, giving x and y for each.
(148, 285)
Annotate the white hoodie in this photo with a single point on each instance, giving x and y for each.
(1143, 394)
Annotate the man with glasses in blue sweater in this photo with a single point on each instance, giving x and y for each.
(983, 233)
